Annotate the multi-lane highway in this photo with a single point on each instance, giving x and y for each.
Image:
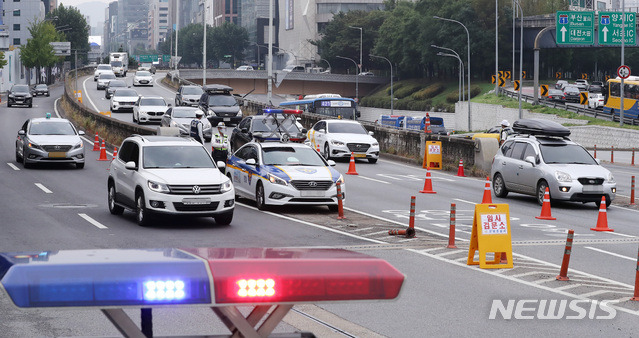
(59, 207)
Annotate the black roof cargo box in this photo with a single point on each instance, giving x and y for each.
(540, 127)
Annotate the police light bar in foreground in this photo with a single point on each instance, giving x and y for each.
(282, 111)
(205, 276)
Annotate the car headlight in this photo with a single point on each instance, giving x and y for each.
(210, 112)
(375, 144)
(239, 113)
(78, 146)
(611, 179)
(276, 180)
(158, 187)
(11, 95)
(34, 146)
(226, 186)
(337, 143)
(562, 176)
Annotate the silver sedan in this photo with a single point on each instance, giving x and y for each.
(49, 140)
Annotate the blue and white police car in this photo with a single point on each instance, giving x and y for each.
(278, 173)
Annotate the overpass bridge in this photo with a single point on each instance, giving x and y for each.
(287, 83)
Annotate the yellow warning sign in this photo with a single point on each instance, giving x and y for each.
(105, 113)
(544, 90)
(78, 95)
(491, 234)
(433, 155)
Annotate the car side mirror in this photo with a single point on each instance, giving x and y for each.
(323, 131)
(221, 164)
(251, 161)
(21, 132)
(244, 130)
(304, 131)
(170, 105)
(331, 163)
(130, 165)
(81, 132)
(370, 133)
(531, 160)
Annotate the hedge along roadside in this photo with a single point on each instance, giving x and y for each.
(113, 131)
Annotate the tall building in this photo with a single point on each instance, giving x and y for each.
(18, 16)
(158, 22)
(226, 11)
(132, 17)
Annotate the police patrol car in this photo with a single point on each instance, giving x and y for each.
(279, 173)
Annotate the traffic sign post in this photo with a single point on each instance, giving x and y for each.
(517, 85)
(493, 79)
(610, 28)
(623, 72)
(575, 28)
(508, 74)
(502, 82)
(558, 75)
(583, 98)
(491, 234)
(544, 90)
(523, 74)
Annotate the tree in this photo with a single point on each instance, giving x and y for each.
(228, 39)
(38, 52)
(73, 25)
(3, 62)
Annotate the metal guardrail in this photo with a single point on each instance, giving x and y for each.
(599, 114)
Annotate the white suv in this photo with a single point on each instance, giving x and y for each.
(168, 175)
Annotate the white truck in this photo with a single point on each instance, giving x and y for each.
(119, 62)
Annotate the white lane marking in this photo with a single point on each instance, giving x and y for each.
(84, 86)
(623, 235)
(372, 179)
(92, 221)
(13, 166)
(612, 253)
(43, 188)
(461, 200)
(389, 176)
(447, 253)
(161, 85)
(569, 286)
(627, 209)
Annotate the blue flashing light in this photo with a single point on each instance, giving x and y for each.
(107, 278)
(48, 116)
(282, 111)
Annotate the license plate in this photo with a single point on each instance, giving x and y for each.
(195, 201)
(227, 119)
(312, 193)
(58, 154)
(592, 189)
(359, 155)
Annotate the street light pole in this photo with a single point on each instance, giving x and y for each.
(356, 77)
(461, 71)
(177, 25)
(468, 36)
(359, 68)
(204, 44)
(391, 77)
(521, 53)
(623, 40)
(269, 67)
(329, 64)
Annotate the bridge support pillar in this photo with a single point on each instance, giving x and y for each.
(536, 77)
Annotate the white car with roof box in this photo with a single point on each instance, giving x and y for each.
(149, 109)
(102, 68)
(160, 175)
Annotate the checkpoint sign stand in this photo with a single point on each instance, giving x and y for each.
(433, 155)
(491, 234)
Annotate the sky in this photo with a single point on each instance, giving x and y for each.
(75, 3)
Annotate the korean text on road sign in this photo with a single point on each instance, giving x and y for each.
(433, 155)
(491, 234)
(575, 28)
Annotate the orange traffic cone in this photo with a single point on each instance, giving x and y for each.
(103, 155)
(428, 185)
(351, 166)
(115, 153)
(545, 207)
(460, 169)
(488, 197)
(427, 128)
(602, 220)
(96, 143)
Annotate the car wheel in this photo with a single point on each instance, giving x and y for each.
(47, 94)
(332, 207)
(25, 164)
(8, 105)
(30, 105)
(260, 199)
(327, 151)
(499, 186)
(224, 219)
(541, 191)
(114, 209)
(133, 117)
(141, 215)
(608, 203)
(372, 160)
(79, 165)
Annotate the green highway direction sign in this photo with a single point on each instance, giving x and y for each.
(153, 58)
(575, 28)
(610, 28)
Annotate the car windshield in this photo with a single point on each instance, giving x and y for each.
(192, 91)
(346, 128)
(116, 63)
(292, 156)
(41, 86)
(107, 76)
(169, 157)
(126, 92)
(117, 84)
(143, 73)
(571, 90)
(222, 100)
(268, 124)
(20, 89)
(152, 102)
(51, 128)
(104, 67)
(146, 65)
(565, 154)
(184, 113)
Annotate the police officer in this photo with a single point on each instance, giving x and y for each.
(220, 144)
(503, 133)
(197, 127)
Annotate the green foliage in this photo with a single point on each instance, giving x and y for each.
(37, 52)
(3, 62)
(74, 27)
(452, 97)
(407, 89)
(474, 91)
(228, 39)
(429, 92)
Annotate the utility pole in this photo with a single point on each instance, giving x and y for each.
(204, 45)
